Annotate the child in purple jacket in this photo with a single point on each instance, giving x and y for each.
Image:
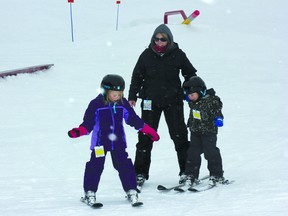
(104, 117)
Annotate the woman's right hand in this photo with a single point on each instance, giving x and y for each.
(132, 103)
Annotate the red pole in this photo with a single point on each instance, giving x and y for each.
(168, 13)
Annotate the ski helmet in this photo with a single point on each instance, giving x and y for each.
(113, 82)
(194, 84)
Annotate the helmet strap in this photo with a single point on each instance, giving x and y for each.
(203, 93)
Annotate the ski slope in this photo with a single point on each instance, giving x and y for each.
(238, 47)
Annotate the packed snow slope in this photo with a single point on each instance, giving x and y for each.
(238, 47)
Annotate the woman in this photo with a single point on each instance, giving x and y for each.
(156, 80)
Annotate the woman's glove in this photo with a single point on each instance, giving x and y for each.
(77, 132)
(147, 130)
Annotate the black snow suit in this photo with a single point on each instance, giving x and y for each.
(156, 77)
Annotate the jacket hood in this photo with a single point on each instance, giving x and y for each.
(163, 29)
(211, 92)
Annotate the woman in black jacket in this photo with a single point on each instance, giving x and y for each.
(156, 80)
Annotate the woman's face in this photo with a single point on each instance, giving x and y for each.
(160, 40)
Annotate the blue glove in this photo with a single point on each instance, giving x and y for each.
(218, 122)
(187, 98)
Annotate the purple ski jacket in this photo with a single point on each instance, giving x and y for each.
(106, 122)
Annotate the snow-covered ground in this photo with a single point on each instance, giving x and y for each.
(239, 48)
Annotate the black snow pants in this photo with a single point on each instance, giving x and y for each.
(174, 116)
(204, 143)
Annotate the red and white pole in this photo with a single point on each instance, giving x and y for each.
(71, 18)
(117, 18)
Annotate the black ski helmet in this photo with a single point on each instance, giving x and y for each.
(194, 84)
(113, 82)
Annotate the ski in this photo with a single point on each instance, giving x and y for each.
(136, 204)
(200, 189)
(208, 186)
(95, 205)
(180, 189)
(163, 188)
(183, 189)
(177, 187)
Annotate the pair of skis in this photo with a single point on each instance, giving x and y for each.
(179, 186)
(198, 186)
(100, 205)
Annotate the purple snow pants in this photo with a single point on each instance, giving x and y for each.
(121, 163)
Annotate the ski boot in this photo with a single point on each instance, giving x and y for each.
(140, 178)
(191, 181)
(213, 180)
(183, 178)
(132, 197)
(90, 199)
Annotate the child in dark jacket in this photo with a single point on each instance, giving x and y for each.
(104, 116)
(205, 118)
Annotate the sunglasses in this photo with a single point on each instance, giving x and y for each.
(161, 39)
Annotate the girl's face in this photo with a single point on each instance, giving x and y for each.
(194, 96)
(114, 95)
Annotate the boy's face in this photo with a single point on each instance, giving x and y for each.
(114, 95)
(194, 96)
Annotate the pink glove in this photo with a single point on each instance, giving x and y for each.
(147, 130)
(77, 132)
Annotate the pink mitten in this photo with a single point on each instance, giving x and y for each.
(77, 132)
(147, 130)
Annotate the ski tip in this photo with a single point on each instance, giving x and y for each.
(178, 189)
(228, 181)
(97, 205)
(161, 187)
(193, 190)
(137, 204)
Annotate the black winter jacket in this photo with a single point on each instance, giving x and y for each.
(157, 77)
(208, 108)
